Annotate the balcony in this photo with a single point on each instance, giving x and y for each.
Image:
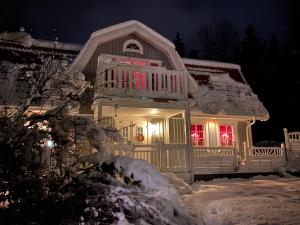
(140, 81)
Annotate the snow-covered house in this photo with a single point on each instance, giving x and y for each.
(182, 115)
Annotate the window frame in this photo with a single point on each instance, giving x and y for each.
(201, 138)
(140, 49)
(229, 141)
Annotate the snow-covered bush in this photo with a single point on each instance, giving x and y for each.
(54, 183)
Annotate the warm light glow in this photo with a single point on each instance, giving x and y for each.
(154, 111)
(195, 135)
(154, 129)
(225, 135)
(50, 143)
(133, 62)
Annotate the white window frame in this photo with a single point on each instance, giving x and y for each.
(132, 41)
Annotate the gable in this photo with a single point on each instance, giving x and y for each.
(115, 47)
(110, 41)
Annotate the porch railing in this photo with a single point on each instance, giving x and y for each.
(294, 136)
(200, 152)
(175, 156)
(266, 151)
(131, 80)
(211, 160)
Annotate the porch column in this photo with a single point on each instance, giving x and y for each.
(97, 112)
(189, 141)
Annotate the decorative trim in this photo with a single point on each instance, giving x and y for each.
(132, 42)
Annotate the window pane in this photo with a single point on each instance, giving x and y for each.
(222, 129)
(226, 137)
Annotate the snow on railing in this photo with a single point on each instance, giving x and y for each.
(266, 151)
(200, 152)
(141, 81)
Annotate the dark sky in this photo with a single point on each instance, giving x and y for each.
(74, 20)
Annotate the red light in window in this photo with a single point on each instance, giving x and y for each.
(195, 135)
(143, 80)
(226, 135)
(137, 79)
(138, 63)
(133, 62)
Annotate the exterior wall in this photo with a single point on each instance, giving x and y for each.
(115, 47)
(162, 126)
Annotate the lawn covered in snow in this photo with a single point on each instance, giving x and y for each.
(260, 200)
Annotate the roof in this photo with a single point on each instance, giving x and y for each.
(217, 87)
(19, 54)
(220, 88)
(20, 47)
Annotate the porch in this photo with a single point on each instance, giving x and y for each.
(163, 137)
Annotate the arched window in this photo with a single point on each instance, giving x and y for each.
(133, 46)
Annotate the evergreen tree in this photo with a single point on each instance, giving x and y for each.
(179, 45)
(251, 57)
(193, 54)
(219, 41)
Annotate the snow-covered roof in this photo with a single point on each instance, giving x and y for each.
(220, 88)
(19, 54)
(26, 40)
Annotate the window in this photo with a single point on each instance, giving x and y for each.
(197, 134)
(226, 137)
(139, 130)
(133, 46)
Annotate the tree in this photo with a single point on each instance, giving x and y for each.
(251, 58)
(219, 41)
(40, 151)
(179, 45)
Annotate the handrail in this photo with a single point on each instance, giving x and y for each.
(199, 152)
(146, 81)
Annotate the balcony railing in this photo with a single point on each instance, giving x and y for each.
(131, 80)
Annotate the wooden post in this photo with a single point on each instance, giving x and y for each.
(189, 142)
(287, 144)
(245, 152)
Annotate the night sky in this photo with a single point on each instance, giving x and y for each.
(74, 20)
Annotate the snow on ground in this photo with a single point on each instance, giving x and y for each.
(257, 201)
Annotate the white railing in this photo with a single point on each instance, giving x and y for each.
(167, 157)
(150, 153)
(294, 136)
(202, 152)
(131, 80)
(175, 156)
(266, 151)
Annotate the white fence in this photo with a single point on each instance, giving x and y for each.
(266, 151)
(292, 142)
(266, 159)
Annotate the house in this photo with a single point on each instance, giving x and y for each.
(184, 116)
